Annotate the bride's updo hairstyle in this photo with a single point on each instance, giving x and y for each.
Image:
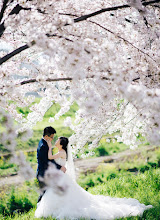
(64, 142)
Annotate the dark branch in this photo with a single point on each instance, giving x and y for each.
(2, 29)
(156, 6)
(3, 9)
(65, 79)
(62, 79)
(15, 52)
(84, 17)
(54, 80)
(17, 9)
(42, 12)
(129, 21)
(47, 80)
(24, 47)
(148, 76)
(145, 21)
(59, 36)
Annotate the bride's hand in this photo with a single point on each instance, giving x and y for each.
(63, 169)
(49, 143)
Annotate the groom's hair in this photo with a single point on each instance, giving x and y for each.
(48, 131)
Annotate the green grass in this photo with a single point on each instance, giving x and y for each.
(104, 148)
(10, 171)
(18, 199)
(127, 166)
(142, 162)
(7, 168)
(144, 187)
(107, 180)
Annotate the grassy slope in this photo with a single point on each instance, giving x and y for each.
(144, 186)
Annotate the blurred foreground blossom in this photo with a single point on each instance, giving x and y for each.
(55, 179)
(25, 169)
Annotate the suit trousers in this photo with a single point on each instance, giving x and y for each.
(42, 186)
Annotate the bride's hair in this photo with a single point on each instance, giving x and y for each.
(64, 142)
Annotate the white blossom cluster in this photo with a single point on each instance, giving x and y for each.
(56, 179)
(8, 137)
(25, 168)
(108, 63)
(137, 4)
(8, 131)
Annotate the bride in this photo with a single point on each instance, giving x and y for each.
(75, 202)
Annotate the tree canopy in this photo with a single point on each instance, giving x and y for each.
(104, 55)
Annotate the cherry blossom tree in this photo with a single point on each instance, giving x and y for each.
(105, 55)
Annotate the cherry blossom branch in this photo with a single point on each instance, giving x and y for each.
(59, 36)
(3, 9)
(84, 17)
(47, 80)
(26, 46)
(15, 52)
(17, 9)
(123, 40)
(64, 79)
(58, 80)
(53, 80)
(2, 29)
(156, 6)
(115, 118)
(116, 36)
(134, 117)
(124, 106)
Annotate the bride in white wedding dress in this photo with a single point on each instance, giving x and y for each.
(77, 203)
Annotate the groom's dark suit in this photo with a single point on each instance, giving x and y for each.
(42, 159)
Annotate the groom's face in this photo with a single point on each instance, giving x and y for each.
(51, 137)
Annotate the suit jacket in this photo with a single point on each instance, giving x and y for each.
(42, 158)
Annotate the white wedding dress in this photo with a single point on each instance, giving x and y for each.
(77, 203)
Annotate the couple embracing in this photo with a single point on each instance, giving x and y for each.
(44, 155)
(69, 200)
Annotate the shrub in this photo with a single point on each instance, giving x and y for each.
(19, 200)
(101, 151)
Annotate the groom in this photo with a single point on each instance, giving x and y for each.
(42, 157)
